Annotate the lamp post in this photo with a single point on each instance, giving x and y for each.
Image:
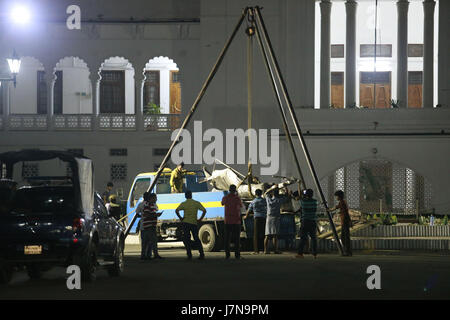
(14, 68)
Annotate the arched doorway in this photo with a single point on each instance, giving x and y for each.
(115, 87)
(161, 94)
(71, 87)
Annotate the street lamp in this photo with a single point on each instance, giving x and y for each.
(20, 15)
(14, 67)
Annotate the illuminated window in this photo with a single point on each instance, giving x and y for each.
(415, 50)
(368, 50)
(337, 51)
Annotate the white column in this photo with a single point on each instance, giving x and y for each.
(49, 78)
(325, 55)
(402, 53)
(350, 53)
(428, 53)
(139, 112)
(95, 101)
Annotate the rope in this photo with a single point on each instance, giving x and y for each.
(250, 33)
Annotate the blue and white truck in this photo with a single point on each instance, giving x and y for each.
(169, 226)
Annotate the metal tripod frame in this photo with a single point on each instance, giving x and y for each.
(273, 70)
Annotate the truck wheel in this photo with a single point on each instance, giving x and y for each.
(117, 268)
(6, 273)
(87, 261)
(208, 237)
(34, 271)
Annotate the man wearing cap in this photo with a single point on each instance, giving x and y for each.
(176, 179)
(107, 192)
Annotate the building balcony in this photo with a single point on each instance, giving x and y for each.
(90, 122)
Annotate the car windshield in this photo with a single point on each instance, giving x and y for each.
(43, 200)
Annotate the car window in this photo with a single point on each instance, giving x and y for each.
(43, 200)
(139, 188)
(163, 185)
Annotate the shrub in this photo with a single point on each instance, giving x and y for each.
(394, 219)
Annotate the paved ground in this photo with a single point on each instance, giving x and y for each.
(403, 276)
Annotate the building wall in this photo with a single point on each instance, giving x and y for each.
(194, 47)
(386, 34)
(397, 136)
(443, 55)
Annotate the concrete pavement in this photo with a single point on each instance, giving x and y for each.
(403, 276)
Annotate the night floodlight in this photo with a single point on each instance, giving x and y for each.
(20, 14)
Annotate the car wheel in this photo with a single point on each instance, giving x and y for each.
(117, 268)
(207, 237)
(34, 271)
(87, 261)
(6, 273)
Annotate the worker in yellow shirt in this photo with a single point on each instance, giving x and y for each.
(189, 224)
(176, 179)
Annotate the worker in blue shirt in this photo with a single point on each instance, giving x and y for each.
(308, 223)
(258, 207)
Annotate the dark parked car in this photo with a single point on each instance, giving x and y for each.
(45, 225)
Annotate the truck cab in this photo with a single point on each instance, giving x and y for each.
(168, 222)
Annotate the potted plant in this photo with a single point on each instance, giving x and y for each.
(152, 108)
(395, 103)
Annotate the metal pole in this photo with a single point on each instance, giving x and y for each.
(260, 22)
(193, 108)
(280, 105)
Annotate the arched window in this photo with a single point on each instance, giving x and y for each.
(72, 89)
(161, 87)
(30, 94)
(116, 86)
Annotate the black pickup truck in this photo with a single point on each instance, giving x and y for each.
(58, 224)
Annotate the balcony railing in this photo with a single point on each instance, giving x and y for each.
(25, 122)
(73, 122)
(161, 122)
(115, 121)
(90, 122)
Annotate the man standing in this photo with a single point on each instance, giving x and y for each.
(259, 208)
(232, 225)
(189, 221)
(346, 222)
(308, 223)
(107, 192)
(274, 202)
(176, 179)
(149, 222)
(113, 208)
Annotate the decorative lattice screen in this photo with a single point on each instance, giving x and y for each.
(373, 186)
